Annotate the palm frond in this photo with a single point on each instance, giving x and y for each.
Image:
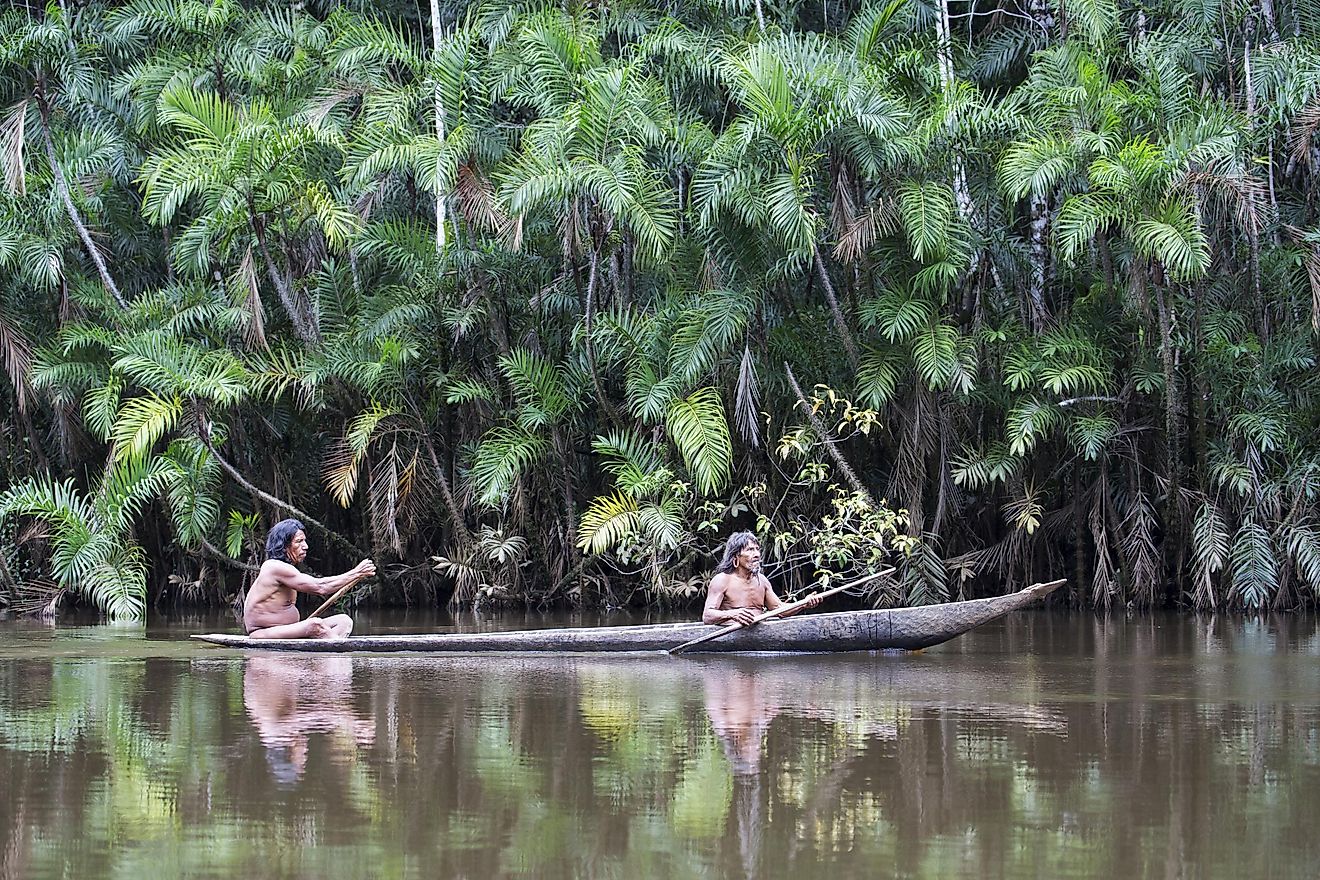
(504, 455)
(698, 428)
(1253, 566)
(141, 422)
(607, 521)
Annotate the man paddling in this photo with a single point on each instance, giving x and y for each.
(739, 591)
(270, 612)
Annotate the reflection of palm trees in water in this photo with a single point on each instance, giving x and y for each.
(740, 711)
(289, 698)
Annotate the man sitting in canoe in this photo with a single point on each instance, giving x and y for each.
(270, 612)
(739, 592)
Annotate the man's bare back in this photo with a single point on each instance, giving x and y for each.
(270, 610)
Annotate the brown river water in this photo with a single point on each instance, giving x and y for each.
(1048, 745)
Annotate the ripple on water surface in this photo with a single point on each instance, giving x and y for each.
(1045, 745)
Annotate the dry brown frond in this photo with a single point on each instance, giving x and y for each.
(476, 200)
(842, 210)
(16, 352)
(571, 229)
(1312, 263)
(34, 530)
(1104, 584)
(1304, 128)
(13, 129)
(512, 235)
(366, 202)
(39, 598)
(712, 277)
(856, 237)
(255, 333)
(340, 472)
(384, 487)
(860, 233)
(1139, 550)
(327, 102)
(1244, 192)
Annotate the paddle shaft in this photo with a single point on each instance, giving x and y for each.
(333, 599)
(778, 612)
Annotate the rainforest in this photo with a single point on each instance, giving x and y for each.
(533, 303)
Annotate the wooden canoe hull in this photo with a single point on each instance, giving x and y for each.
(898, 628)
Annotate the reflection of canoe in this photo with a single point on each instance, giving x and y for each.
(902, 628)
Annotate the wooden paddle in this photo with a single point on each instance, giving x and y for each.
(333, 598)
(778, 612)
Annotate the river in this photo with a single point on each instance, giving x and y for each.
(1046, 745)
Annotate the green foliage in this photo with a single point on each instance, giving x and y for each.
(1071, 275)
(92, 552)
(858, 535)
(503, 455)
(699, 430)
(1254, 567)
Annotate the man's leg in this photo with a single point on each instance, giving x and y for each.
(311, 628)
(341, 626)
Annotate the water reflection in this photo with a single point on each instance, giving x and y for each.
(1049, 746)
(741, 709)
(290, 698)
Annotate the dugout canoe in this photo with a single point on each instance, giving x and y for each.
(897, 628)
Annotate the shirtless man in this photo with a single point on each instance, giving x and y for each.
(270, 612)
(739, 592)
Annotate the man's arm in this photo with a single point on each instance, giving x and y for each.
(288, 576)
(772, 600)
(715, 598)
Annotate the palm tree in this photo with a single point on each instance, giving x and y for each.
(72, 118)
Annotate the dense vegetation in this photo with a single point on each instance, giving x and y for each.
(530, 301)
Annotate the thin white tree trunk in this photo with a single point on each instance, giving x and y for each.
(944, 56)
(303, 324)
(441, 240)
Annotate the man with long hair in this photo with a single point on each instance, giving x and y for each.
(739, 592)
(270, 610)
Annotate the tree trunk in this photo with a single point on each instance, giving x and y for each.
(1172, 433)
(589, 314)
(1200, 390)
(823, 430)
(306, 329)
(278, 502)
(1271, 20)
(850, 346)
(440, 237)
(446, 492)
(1040, 219)
(944, 57)
(62, 187)
(565, 448)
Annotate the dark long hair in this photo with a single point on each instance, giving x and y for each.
(277, 540)
(736, 544)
